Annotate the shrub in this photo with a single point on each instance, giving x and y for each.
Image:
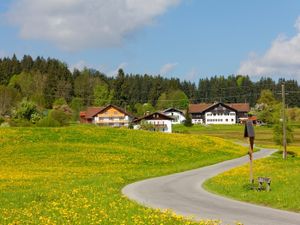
(48, 122)
(1, 120)
(20, 123)
(61, 117)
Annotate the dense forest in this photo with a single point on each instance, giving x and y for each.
(46, 82)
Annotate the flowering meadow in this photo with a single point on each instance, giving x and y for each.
(285, 181)
(74, 175)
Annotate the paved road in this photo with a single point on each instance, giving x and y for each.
(183, 193)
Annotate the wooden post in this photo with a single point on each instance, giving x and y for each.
(284, 152)
(251, 143)
(249, 132)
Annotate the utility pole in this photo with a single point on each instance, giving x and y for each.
(284, 152)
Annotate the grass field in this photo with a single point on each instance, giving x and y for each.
(74, 175)
(285, 174)
(263, 134)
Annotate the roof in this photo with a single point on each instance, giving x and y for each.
(199, 108)
(118, 108)
(196, 108)
(240, 107)
(172, 110)
(150, 116)
(93, 111)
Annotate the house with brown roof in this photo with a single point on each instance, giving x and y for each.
(109, 115)
(218, 113)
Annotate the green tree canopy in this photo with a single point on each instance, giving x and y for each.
(176, 99)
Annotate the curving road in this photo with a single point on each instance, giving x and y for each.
(183, 193)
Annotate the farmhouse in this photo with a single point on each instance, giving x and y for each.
(157, 121)
(176, 114)
(109, 115)
(218, 113)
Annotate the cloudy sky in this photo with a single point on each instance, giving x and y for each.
(189, 39)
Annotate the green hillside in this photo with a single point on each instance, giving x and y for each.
(74, 175)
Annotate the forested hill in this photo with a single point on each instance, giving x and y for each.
(45, 80)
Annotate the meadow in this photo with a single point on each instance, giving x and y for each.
(285, 174)
(263, 134)
(74, 175)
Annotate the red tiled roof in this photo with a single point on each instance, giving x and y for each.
(196, 108)
(241, 107)
(92, 111)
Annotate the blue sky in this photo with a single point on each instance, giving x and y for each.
(188, 39)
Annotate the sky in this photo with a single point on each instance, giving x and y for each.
(187, 39)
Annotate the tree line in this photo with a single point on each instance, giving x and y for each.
(45, 82)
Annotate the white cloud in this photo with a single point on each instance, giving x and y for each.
(167, 68)
(192, 75)
(282, 59)
(77, 24)
(80, 65)
(114, 72)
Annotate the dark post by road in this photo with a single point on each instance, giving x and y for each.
(249, 132)
(284, 152)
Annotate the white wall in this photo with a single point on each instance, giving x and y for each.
(168, 123)
(197, 121)
(220, 118)
(179, 118)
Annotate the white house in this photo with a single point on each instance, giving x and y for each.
(218, 113)
(176, 114)
(160, 122)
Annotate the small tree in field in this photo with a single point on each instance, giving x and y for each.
(188, 119)
(278, 134)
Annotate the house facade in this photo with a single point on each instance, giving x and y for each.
(158, 121)
(177, 115)
(110, 115)
(218, 113)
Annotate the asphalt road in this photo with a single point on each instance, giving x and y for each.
(183, 193)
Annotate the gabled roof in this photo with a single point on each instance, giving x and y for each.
(240, 107)
(152, 116)
(199, 108)
(118, 108)
(93, 111)
(172, 110)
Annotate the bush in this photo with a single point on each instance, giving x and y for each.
(1, 120)
(278, 133)
(48, 122)
(20, 123)
(60, 117)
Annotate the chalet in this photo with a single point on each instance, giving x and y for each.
(218, 113)
(109, 115)
(177, 115)
(159, 121)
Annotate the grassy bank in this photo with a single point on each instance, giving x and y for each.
(285, 174)
(74, 175)
(285, 185)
